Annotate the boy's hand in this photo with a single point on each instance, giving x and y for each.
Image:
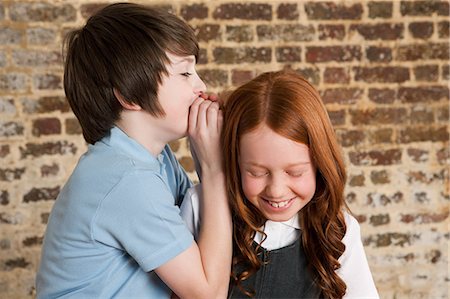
(205, 126)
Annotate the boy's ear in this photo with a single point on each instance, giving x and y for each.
(125, 104)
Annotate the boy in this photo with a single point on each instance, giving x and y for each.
(115, 228)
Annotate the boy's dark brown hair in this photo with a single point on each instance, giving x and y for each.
(123, 46)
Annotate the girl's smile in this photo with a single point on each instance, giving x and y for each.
(277, 175)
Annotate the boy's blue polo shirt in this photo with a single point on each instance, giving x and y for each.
(115, 221)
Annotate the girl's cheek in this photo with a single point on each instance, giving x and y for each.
(251, 187)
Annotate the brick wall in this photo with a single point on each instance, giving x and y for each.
(382, 68)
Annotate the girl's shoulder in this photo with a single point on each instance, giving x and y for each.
(353, 231)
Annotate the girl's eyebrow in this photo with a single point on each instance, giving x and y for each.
(287, 166)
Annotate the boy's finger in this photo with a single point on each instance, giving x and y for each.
(193, 114)
(211, 117)
(201, 116)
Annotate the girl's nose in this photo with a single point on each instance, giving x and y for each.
(276, 188)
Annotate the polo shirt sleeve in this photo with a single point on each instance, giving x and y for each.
(354, 268)
(139, 217)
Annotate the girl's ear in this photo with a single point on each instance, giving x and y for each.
(124, 103)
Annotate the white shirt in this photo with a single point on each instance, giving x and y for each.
(354, 270)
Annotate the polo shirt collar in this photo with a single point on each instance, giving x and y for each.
(119, 140)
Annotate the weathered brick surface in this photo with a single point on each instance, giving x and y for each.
(381, 67)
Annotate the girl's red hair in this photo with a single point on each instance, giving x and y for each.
(291, 107)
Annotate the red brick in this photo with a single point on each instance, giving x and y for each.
(443, 29)
(424, 218)
(224, 55)
(214, 77)
(357, 180)
(381, 136)
(333, 53)
(426, 73)
(424, 8)
(327, 32)
(422, 134)
(378, 9)
(207, 32)
(194, 11)
(443, 113)
(242, 33)
(73, 126)
(380, 177)
(379, 31)
(376, 157)
(421, 197)
(382, 96)
(288, 54)
(48, 148)
(443, 156)
(32, 241)
(49, 170)
(4, 197)
(390, 240)
(13, 82)
(350, 137)
(4, 150)
(422, 30)
(7, 106)
(421, 115)
(239, 77)
(445, 72)
(423, 52)
(351, 198)
(380, 219)
(287, 11)
(418, 155)
(251, 11)
(16, 263)
(42, 12)
(10, 36)
(337, 117)
(379, 54)
(11, 174)
(47, 81)
(378, 116)
(202, 57)
(45, 105)
(423, 94)
(36, 58)
(11, 128)
(312, 74)
(287, 33)
(433, 256)
(341, 95)
(333, 11)
(41, 36)
(39, 194)
(381, 74)
(380, 199)
(46, 126)
(335, 75)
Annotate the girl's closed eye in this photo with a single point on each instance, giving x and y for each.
(295, 174)
(186, 74)
(257, 174)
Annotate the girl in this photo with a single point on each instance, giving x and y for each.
(293, 234)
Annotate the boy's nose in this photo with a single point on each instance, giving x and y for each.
(199, 85)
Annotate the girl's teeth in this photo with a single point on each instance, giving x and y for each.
(279, 204)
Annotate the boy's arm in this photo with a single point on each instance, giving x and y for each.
(203, 270)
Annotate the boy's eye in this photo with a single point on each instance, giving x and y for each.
(186, 74)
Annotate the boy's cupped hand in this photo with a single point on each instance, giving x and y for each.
(205, 126)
